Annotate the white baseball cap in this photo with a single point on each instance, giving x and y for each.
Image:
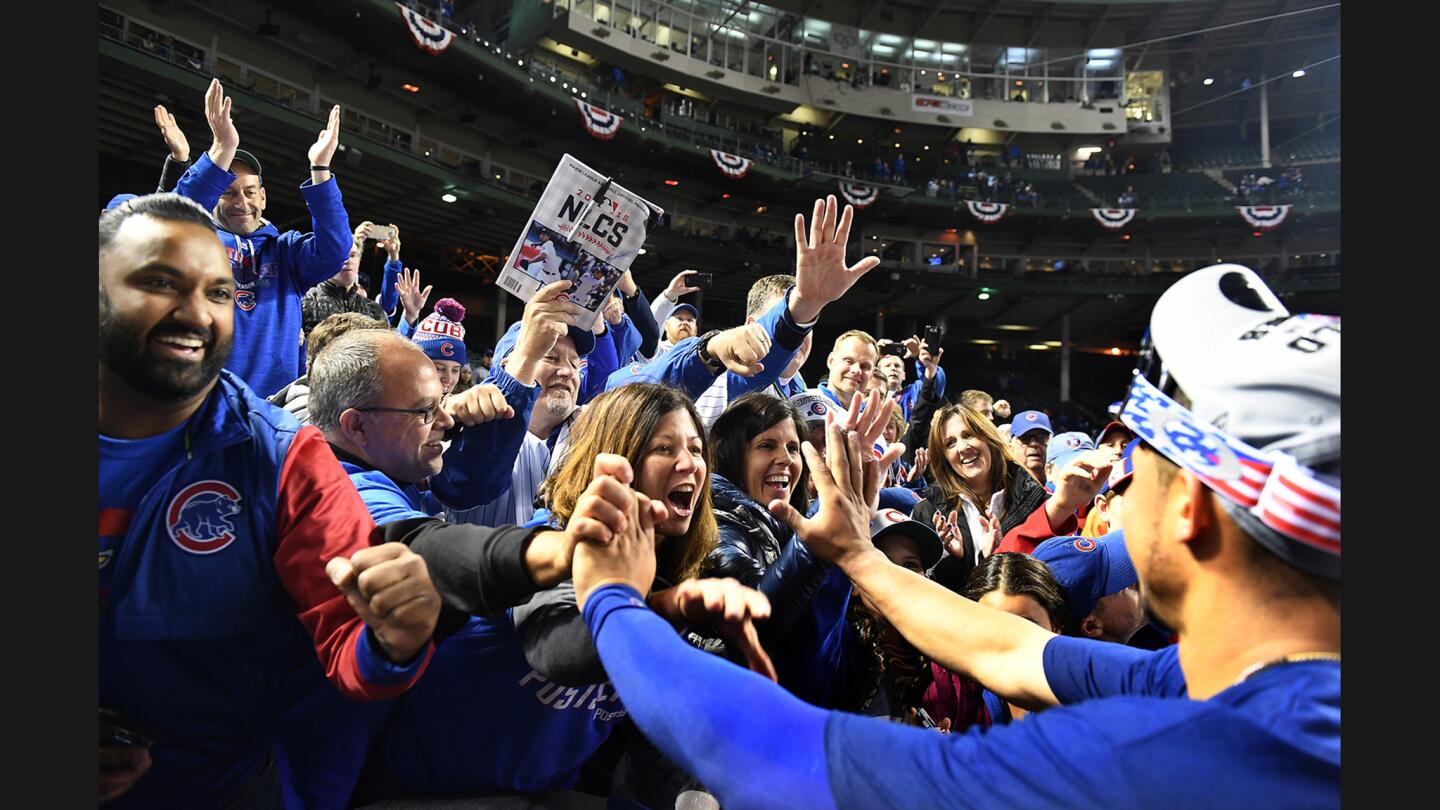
(1266, 384)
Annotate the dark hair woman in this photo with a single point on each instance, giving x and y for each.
(1008, 581)
(757, 460)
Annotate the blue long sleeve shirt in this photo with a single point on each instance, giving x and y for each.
(272, 271)
(682, 367)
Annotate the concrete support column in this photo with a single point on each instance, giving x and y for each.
(1265, 125)
(1065, 357)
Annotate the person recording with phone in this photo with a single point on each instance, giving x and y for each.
(926, 353)
(342, 292)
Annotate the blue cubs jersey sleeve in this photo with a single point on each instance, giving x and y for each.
(1081, 669)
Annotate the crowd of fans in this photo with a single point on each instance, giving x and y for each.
(334, 571)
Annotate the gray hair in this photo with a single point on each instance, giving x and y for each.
(347, 375)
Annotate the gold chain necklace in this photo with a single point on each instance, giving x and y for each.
(1293, 658)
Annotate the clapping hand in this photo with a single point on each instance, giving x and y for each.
(323, 150)
(222, 128)
(174, 139)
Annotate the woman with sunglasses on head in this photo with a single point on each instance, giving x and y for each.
(982, 500)
(757, 461)
(521, 703)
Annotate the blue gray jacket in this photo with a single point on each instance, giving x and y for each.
(272, 271)
(682, 367)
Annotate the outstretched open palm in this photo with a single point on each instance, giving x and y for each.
(821, 275)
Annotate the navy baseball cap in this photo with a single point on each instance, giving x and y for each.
(1088, 569)
(584, 341)
(1029, 420)
(886, 522)
(1065, 446)
(249, 160)
(691, 307)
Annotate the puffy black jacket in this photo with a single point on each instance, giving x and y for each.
(1024, 496)
(760, 551)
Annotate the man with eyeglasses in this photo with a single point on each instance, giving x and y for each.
(1030, 434)
(379, 401)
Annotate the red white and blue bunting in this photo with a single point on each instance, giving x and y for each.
(1264, 217)
(430, 37)
(603, 124)
(990, 212)
(1113, 218)
(734, 166)
(859, 196)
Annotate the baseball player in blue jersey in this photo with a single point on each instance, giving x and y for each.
(1233, 528)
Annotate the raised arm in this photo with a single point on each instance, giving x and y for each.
(1003, 652)
(317, 255)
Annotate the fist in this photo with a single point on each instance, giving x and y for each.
(480, 403)
(741, 349)
(389, 587)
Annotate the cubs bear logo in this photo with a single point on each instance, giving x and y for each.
(1084, 544)
(199, 516)
(817, 408)
(1030, 417)
(245, 299)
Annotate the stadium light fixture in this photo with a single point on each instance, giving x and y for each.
(448, 197)
(1297, 74)
(725, 196)
(582, 94)
(1208, 81)
(984, 296)
(860, 141)
(1039, 347)
(1115, 350)
(410, 87)
(552, 79)
(672, 182)
(642, 252)
(832, 136)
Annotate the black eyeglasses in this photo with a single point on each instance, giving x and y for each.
(427, 415)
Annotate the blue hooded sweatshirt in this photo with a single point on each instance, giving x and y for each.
(272, 271)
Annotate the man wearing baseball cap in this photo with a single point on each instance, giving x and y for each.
(1233, 528)
(1030, 432)
(1114, 435)
(1102, 596)
(272, 270)
(1061, 450)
